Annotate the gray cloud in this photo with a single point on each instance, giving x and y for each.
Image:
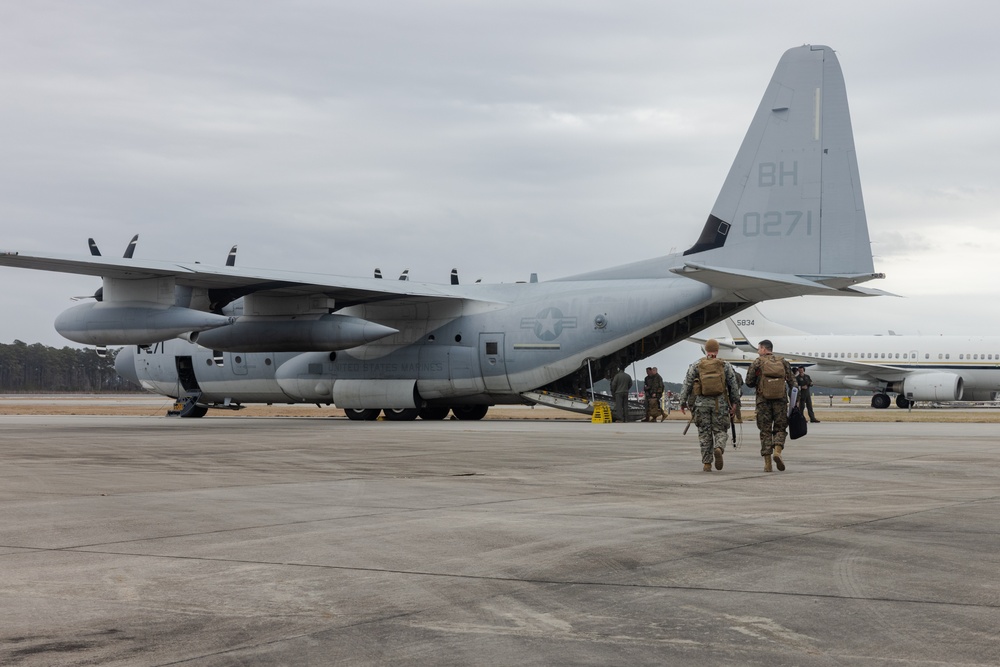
(501, 138)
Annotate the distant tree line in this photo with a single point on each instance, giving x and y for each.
(29, 368)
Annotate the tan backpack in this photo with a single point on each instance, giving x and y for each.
(772, 381)
(712, 373)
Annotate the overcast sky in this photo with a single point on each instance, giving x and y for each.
(501, 138)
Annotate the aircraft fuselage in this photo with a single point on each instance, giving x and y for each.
(445, 352)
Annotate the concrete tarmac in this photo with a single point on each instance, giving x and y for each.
(269, 541)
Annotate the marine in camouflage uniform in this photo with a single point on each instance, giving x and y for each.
(711, 414)
(654, 393)
(772, 414)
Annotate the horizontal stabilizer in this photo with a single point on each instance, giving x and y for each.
(757, 286)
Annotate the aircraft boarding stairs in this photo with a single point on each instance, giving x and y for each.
(186, 405)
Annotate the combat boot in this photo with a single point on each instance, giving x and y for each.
(767, 463)
(707, 467)
(777, 457)
(718, 458)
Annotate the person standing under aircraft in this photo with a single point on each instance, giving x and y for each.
(805, 395)
(621, 385)
(646, 392)
(654, 396)
(712, 383)
(771, 375)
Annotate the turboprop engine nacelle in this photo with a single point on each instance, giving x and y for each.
(323, 333)
(933, 387)
(132, 323)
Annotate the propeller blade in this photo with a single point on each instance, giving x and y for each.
(131, 247)
(94, 250)
(454, 276)
(405, 275)
(231, 259)
(378, 273)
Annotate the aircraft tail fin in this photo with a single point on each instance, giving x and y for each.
(792, 202)
(750, 327)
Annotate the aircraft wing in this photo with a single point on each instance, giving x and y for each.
(227, 283)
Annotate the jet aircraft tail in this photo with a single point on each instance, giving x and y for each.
(791, 204)
(750, 327)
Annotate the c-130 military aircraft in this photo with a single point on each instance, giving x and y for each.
(789, 221)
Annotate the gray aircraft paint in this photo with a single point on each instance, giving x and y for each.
(788, 221)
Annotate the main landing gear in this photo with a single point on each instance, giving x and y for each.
(882, 401)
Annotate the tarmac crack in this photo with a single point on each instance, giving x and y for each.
(538, 582)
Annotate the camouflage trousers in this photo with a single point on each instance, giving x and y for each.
(653, 409)
(713, 429)
(772, 420)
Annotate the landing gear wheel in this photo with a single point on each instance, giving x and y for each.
(400, 414)
(364, 414)
(470, 412)
(902, 402)
(881, 401)
(434, 414)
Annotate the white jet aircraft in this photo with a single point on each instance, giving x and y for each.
(788, 221)
(915, 368)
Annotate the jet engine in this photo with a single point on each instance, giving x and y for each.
(931, 387)
(979, 395)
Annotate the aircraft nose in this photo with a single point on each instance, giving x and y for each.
(125, 364)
